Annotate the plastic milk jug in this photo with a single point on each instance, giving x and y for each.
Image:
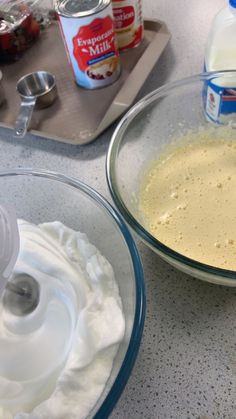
(220, 94)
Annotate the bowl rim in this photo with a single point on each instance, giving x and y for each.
(140, 307)
(113, 151)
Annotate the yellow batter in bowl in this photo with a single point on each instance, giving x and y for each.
(188, 200)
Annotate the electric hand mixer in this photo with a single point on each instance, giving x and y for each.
(20, 292)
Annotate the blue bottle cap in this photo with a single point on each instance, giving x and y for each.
(232, 3)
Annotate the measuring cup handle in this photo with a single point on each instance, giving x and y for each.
(24, 117)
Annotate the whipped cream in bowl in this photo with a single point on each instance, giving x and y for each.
(65, 357)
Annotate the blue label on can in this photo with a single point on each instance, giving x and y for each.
(101, 58)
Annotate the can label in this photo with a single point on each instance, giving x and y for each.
(94, 43)
(124, 17)
(218, 100)
(92, 49)
(128, 23)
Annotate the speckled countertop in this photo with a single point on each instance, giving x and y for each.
(186, 367)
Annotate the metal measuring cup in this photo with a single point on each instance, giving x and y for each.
(38, 90)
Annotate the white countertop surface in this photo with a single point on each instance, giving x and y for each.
(186, 367)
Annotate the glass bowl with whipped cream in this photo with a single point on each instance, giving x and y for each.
(72, 309)
(171, 172)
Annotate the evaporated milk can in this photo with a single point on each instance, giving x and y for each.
(87, 28)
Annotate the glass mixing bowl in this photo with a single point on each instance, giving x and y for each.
(40, 196)
(158, 120)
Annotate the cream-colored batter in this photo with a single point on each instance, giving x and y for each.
(188, 200)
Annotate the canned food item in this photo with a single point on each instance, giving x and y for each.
(88, 32)
(128, 22)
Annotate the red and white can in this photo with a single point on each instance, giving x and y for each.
(128, 22)
(88, 32)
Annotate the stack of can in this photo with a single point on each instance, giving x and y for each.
(94, 32)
